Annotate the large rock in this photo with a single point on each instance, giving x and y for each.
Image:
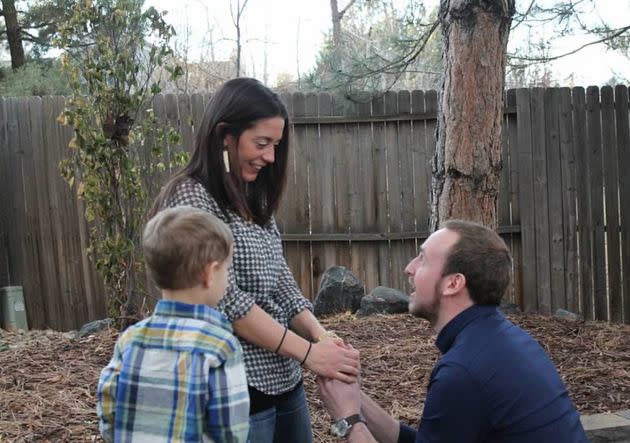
(94, 327)
(384, 300)
(339, 291)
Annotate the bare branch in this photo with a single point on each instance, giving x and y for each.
(344, 10)
(616, 33)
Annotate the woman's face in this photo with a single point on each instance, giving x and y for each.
(256, 146)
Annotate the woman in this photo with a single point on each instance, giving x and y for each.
(237, 172)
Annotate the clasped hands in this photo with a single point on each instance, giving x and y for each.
(338, 385)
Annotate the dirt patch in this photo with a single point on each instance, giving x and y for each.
(48, 379)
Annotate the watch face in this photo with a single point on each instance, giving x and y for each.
(340, 429)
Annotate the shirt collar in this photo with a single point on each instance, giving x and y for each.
(171, 308)
(449, 332)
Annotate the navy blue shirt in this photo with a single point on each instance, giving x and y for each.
(494, 383)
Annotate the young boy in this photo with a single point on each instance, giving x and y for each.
(178, 376)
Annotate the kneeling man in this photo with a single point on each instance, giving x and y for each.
(493, 383)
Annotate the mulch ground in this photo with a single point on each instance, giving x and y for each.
(48, 379)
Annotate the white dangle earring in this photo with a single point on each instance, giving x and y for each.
(226, 160)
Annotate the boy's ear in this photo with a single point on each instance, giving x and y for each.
(208, 273)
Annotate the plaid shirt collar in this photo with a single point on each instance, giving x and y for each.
(171, 308)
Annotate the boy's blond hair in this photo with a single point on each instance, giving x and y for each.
(179, 242)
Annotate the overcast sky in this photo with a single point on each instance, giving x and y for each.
(278, 21)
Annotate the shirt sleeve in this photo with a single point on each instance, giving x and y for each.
(227, 410)
(236, 303)
(454, 410)
(106, 395)
(290, 297)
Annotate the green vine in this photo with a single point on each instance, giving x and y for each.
(115, 55)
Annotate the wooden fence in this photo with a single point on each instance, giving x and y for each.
(357, 196)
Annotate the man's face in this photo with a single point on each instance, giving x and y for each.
(425, 274)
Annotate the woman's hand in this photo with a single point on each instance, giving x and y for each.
(333, 359)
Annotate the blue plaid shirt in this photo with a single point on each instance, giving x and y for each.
(177, 376)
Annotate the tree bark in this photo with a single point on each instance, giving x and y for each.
(336, 22)
(13, 34)
(467, 162)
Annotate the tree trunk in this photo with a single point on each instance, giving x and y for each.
(467, 161)
(13, 34)
(336, 22)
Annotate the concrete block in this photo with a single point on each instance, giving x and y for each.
(624, 414)
(599, 421)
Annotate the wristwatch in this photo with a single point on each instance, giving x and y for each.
(342, 427)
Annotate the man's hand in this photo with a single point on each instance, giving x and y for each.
(341, 399)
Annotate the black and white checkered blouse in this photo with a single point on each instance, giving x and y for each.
(260, 275)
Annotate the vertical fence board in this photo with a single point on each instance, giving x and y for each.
(567, 159)
(554, 195)
(31, 248)
(503, 199)
(329, 180)
(4, 198)
(282, 215)
(611, 181)
(583, 204)
(344, 167)
(526, 200)
(513, 172)
(320, 185)
(15, 199)
(300, 216)
(407, 193)
(594, 145)
(419, 164)
(45, 239)
(623, 156)
(380, 189)
(364, 256)
(393, 152)
(541, 207)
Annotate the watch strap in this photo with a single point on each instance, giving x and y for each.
(354, 419)
(342, 427)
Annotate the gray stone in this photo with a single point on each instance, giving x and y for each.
(620, 434)
(384, 300)
(509, 308)
(567, 315)
(339, 291)
(71, 335)
(94, 327)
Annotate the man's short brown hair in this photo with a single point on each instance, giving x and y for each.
(483, 258)
(179, 242)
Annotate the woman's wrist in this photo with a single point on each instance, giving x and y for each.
(294, 346)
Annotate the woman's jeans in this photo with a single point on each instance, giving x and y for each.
(288, 422)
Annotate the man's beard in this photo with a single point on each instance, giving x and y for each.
(428, 312)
